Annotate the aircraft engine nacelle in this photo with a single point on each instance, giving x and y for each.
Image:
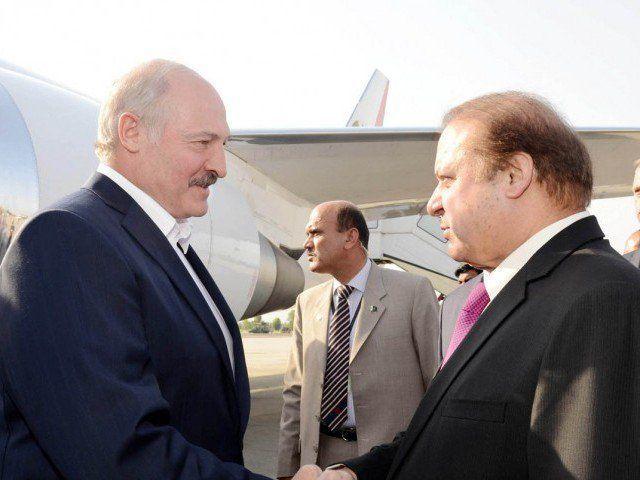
(47, 135)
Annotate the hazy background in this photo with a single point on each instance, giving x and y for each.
(304, 64)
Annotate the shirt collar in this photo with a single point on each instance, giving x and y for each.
(176, 231)
(496, 280)
(358, 282)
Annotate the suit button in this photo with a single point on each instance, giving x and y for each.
(315, 448)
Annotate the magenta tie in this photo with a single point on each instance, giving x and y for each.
(473, 307)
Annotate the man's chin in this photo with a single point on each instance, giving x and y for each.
(456, 253)
(199, 210)
(315, 267)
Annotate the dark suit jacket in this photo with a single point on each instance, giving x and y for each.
(633, 257)
(546, 384)
(112, 365)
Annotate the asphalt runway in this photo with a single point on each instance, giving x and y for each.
(267, 357)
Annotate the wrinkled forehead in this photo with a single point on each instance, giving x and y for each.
(322, 217)
(192, 97)
(455, 142)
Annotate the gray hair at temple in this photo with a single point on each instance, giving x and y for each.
(139, 92)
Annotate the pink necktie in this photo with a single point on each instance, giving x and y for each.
(473, 307)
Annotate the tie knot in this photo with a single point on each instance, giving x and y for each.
(477, 300)
(344, 291)
(181, 233)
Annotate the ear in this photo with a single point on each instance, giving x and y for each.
(129, 132)
(353, 238)
(518, 175)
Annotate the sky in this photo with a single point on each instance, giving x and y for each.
(290, 64)
(301, 64)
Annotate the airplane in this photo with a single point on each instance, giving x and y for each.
(251, 238)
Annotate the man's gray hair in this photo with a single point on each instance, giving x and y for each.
(139, 92)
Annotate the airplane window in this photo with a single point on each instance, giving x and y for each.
(431, 225)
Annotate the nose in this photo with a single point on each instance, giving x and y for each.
(434, 206)
(307, 244)
(217, 163)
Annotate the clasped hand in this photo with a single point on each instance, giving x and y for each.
(313, 472)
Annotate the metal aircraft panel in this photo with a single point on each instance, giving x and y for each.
(384, 166)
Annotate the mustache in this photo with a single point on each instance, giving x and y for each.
(204, 181)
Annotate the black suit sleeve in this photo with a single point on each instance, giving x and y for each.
(585, 420)
(75, 362)
(375, 465)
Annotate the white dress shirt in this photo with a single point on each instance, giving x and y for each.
(176, 232)
(358, 283)
(496, 280)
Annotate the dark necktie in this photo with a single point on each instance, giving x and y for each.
(336, 374)
(473, 307)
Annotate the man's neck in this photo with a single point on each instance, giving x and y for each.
(528, 230)
(346, 274)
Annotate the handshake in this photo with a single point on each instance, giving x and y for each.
(313, 472)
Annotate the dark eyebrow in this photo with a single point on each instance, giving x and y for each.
(200, 135)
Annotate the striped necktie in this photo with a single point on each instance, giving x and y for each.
(336, 374)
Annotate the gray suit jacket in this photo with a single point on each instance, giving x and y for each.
(394, 357)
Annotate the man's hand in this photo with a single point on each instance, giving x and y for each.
(308, 472)
(342, 473)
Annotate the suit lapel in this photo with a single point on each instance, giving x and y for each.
(371, 309)
(498, 311)
(320, 312)
(151, 239)
(241, 379)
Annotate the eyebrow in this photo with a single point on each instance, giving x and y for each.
(201, 134)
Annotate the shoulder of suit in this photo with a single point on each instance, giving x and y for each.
(596, 264)
(461, 291)
(405, 279)
(80, 211)
(313, 292)
(83, 203)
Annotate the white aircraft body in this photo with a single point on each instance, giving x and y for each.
(251, 237)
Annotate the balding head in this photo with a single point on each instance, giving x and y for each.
(337, 238)
(163, 128)
(348, 216)
(141, 91)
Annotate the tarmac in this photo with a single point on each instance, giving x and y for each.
(267, 356)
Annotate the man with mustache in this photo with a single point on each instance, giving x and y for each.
(540, 376)
(365, 347)
(120, 357)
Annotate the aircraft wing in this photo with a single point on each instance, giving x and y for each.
(389, 171)
(370, 166)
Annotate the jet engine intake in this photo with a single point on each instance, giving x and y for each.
(280, 280)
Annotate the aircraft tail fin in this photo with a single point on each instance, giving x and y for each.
(369, 111)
